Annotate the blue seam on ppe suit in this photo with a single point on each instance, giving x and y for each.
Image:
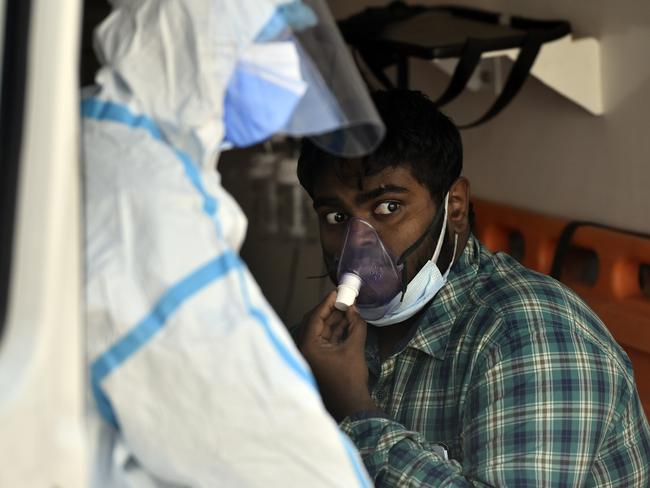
(263, 320)
(176, 295)
(144, 330)
(110, 360)
(294, 15)
(351, 450)
(93, 108)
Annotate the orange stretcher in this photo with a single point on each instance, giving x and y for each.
(608, 268)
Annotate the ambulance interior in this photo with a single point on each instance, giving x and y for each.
(559, 180)
(546, 162)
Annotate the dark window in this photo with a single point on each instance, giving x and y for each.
(581, 265)
(516, 245)
(644, 279)
(12, 101)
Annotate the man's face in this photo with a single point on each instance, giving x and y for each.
(398, 206)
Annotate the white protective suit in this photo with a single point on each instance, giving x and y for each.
(195, 380)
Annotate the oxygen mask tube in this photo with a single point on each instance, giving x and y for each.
(347, 291)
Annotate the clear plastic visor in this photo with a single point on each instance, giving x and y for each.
(336, 111)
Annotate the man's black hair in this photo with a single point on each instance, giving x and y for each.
(418, 136)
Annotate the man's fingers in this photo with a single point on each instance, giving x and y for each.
(317, 325)
(339, 329)
(357, 329)
(334, 318)
(326, 307)
(335, 324)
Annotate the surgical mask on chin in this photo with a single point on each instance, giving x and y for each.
(396, 307)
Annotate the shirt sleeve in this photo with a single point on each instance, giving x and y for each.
(544, 403)
(537, 411)
(396, 456)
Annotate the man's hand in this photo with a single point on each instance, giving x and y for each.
(333, 344)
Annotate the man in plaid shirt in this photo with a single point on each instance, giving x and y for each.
(502, 377)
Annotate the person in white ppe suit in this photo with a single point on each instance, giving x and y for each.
(194, 379)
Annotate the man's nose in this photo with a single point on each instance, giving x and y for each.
(362, 232)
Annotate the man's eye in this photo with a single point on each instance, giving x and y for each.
(335, 217)
(386, 208)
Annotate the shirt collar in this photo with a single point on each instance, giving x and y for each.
(434, 324)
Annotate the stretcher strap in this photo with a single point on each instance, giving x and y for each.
(563, 244)
(377, 55)
(518, 75)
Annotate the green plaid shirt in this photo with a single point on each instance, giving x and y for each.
(516, 376)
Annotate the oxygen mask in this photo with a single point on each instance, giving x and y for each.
(367, 273)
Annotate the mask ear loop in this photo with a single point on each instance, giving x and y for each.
(416, 244)
(440, 241)
(441, 238)
(453, 256)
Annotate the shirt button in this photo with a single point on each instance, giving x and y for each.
(380, 394)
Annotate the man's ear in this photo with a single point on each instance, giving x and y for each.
(458, 210)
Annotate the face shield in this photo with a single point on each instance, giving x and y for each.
(298, 79)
